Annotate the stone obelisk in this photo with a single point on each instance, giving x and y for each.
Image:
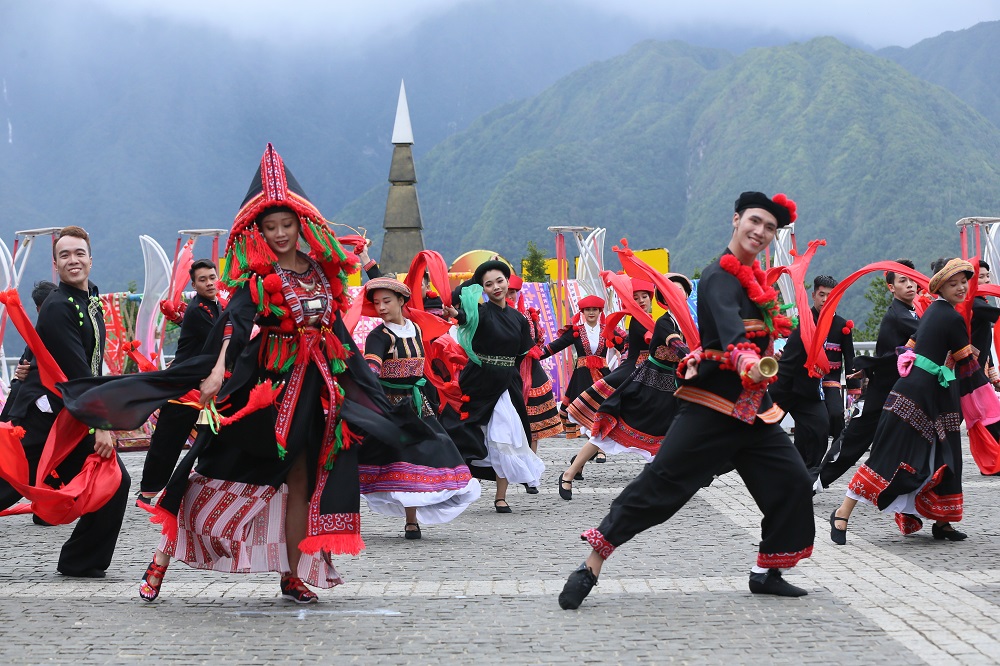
(403, 237)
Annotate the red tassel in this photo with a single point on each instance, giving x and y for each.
(335, 544)
(260, 257)
(262, 395)
(163, 517)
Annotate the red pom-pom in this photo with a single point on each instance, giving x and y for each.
(783, 200)
(466, 398)
(272, 284)
(850, 323)
(276, 297)
(286, 326)
(432, 294)
(336, 288)
(576, 333)
(619, 339)
(846, 330)
(463, 415)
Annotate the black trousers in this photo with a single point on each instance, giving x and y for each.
(698, 442)
(856, 438)
(834, 399)
(812, 427)
(92, 544)
(173, 426)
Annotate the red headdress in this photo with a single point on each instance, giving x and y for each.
(274, 186)
(515, 282)
(590, 302)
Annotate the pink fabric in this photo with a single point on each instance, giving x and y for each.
(904, 363)
(239, 528)
(980, 406)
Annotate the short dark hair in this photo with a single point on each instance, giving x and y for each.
(939, 263)
(983, 264)
(41, 291)
(826, 281)
(200, 264)
(890, 276)
(74, 232)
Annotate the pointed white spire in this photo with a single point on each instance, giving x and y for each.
(402, 133)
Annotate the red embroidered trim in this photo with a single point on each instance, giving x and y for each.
(908, 524)
(597, 541)
(783, 560)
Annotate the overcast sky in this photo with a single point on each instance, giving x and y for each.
(877, 23)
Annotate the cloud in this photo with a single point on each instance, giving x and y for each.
(351, 22)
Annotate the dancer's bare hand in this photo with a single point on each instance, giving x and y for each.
(104, 446)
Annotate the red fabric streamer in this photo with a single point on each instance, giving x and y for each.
(98, 479)
(671, 292)
(797, 272)
(816, 353)
(437, 269)
(623, 287)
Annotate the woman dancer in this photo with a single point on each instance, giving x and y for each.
(584, 335)
(915, 467)
(543, 415)
(583, 410)
(491, 427)
(276, 486)
(427, 482)
(636, 416)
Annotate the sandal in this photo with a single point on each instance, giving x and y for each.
(411, 534)
(293, 589)
(600, 457)
(502, 509)
(148, 591)
(565, 493)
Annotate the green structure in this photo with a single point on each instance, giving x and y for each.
(403, 226)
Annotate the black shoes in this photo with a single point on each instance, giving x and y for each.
(502, 509)
(411, 534)
(599, 457)
(41, 523)
(838, 536)
(941, 533)
(531, 490)
(579, 475)
(772, 583)
(577, 587)
(565, 488)
(86, 573)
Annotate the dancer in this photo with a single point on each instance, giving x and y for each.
(636, 416)
(540, 401)
(71, 327)
(175, 421)
(724, 413)
(276, 487)
(584, 335)
(427, 482)
(898, 325)
(839, 348)
(491, 429)
(915, 467)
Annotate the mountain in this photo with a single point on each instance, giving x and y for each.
(963, 61)
(133, 125)
(656, 144)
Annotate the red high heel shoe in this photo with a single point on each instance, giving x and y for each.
(147, 590)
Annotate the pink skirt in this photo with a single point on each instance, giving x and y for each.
(240, 528)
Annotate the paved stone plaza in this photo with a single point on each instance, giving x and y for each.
(483, 590)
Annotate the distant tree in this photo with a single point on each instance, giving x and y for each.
(533, 265)
(878, 295)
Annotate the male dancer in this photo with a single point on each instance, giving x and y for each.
(839, 348)
(723, 414)
(898, 324)
(71, 326)
(175, 421)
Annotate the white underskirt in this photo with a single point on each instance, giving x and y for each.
(508, 451)
(611, 447)
(432, 508)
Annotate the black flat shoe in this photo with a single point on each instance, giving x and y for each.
(579, 475)
(950, 534)
(772, 583)
(567, 492)
(837, 535)
(577, 587)
(531, 490)
(502, 509)
(411, 534)
(86, 573)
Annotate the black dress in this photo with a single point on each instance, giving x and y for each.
(540, 402)
(638, 414)
(429, 475)
(916, 462)
(491, 429)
